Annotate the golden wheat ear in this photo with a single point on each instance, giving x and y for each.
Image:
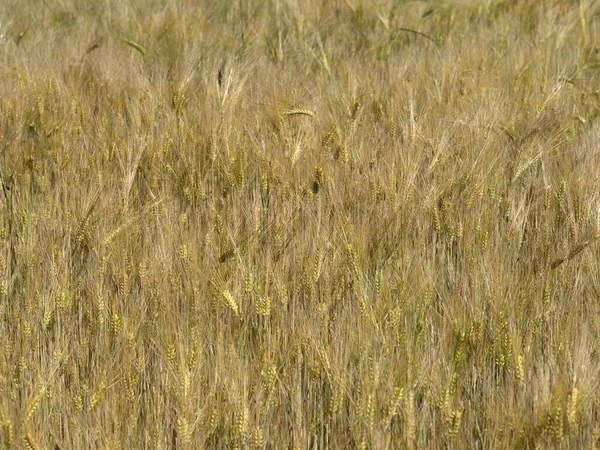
(299, 112)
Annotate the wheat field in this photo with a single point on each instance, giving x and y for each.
(290, 224)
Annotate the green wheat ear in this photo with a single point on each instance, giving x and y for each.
(135, 45)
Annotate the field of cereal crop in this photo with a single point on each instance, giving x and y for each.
(286, 224)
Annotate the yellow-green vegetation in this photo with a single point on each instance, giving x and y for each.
(299, 224)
